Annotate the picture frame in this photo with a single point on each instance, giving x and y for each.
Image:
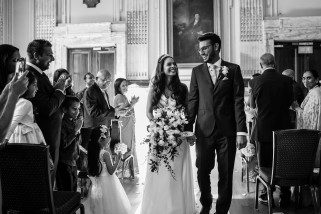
(188, 19)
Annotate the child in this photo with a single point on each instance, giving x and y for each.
(69, 145)
(106, 194)
(23, 129)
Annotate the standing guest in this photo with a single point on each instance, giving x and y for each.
(298, 94)
(15, 88)
(23, 128)
(98, 110)
(125, 111)
(273, 95)
(216, 99)
(106, 194)
(48, 98)
(69, 145)
(89, 80)
(309, 115)
(68, 87)
(9, 56)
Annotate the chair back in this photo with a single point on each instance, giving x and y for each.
(294, 153)
(25, 178)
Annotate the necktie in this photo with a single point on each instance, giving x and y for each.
(213, 72)
(106, 98)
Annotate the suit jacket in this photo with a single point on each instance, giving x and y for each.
(48, 115)
(273, 95)
(219, 108)
(96, 111)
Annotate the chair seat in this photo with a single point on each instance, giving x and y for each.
(265, 173)
(66, 201)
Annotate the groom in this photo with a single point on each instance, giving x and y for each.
(216, 98)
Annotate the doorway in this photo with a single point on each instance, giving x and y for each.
(84, 60)
(298, 56)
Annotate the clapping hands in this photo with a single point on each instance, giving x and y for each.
(61, 83)
(134, 100)
(19, 85)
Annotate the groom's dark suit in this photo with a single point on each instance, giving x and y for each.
(220, 114)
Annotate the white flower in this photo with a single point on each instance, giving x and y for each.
(171, 137)
(224, 70)
(121, 147)
(166, 127)
(161, 143)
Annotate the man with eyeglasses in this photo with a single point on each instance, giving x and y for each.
(97, 108)
(216, 98)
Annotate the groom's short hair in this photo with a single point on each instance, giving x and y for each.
(212, 37)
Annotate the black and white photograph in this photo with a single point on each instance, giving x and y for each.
(160, 106)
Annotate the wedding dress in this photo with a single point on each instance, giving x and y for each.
(164, 194)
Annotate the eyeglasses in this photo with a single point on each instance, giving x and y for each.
(205, 48)
(104, 80)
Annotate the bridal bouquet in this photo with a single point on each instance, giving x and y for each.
(165, 132)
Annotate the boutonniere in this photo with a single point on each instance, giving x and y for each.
(224, 70)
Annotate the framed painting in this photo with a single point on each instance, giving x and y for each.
(188, 19)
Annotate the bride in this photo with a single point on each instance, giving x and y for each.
(165, 193)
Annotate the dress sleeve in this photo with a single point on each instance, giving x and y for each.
(120, 103)
(21, 110)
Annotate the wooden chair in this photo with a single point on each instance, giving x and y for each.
(26, 184)
(294, 153)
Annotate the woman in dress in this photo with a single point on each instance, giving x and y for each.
(163, 193)
(309, 116)
(125, 111)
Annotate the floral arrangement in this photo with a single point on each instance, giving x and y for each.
(224, 70)
(120, 147)
(165, 135)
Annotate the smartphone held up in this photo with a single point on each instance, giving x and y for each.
(21, 65)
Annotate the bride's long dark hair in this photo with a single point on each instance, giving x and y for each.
(159, 82)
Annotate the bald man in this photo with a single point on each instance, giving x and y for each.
(97, 108)
(273, 95)
(298, 93)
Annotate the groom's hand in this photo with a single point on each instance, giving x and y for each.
(241, 141)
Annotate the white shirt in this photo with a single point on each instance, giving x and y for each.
(105, 96)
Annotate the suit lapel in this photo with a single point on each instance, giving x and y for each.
(101, 95)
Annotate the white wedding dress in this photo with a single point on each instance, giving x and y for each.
(165, 195)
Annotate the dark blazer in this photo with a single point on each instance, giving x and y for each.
(219, 108)
(273, 95)
(47, 111)
(96, 111)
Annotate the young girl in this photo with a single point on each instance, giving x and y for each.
(106, 194)
(23, 129)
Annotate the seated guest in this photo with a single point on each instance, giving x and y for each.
(98, 110)
(69, 145)
(68, 85)
(125, 111)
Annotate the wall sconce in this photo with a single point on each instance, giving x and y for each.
(91, 3)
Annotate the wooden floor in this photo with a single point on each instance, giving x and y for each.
(242, 202)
